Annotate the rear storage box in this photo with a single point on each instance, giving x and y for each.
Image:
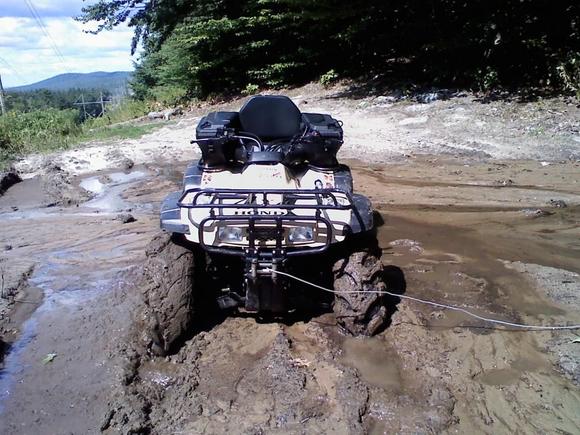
(216, 148)
(319, 144)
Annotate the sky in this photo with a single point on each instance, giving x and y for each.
(28, 55)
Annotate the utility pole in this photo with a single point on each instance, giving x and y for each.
(101, 101)
(2, 107)
(84, 106)
(102, 105)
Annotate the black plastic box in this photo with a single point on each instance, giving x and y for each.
(320, 143)
(214, 124)
(216, 148)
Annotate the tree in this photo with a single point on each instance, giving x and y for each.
(200, 47)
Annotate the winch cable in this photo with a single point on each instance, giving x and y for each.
(435, 304)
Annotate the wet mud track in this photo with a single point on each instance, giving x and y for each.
(483, 236)
(72, 306)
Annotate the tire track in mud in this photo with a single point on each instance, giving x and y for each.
(83, 261)
(247, 377)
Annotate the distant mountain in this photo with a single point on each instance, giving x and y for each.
(111, 81)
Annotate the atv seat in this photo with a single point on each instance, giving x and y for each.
(270, 117)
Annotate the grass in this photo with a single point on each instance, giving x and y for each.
(124, 131)
(50, 130)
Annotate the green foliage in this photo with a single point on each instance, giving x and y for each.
(127, 110)
(204, 47)
(221, 46)
(43, 98)
(38, 130)
(486, 79)
(251, 89)
(569, 73)
(123, 131)
(52, 129)
(328, 78)
(169, 95)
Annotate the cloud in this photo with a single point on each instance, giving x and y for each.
(45, 8)
(28, 55)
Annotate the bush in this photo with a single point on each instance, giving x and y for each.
(569, 73)
(251, 89)
(53, 129)
(127, 110)
(328, 78)
(40, 130)
(486, 79)
(169, 95)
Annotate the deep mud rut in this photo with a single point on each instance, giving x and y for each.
(486, 235)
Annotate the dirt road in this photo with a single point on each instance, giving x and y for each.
(476, 226)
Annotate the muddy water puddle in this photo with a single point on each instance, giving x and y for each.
(66, 284)
(377, 363)
(98, 184)
(516, 370)
(465, 262)
(108, 189)
(462, 256)
(29, 199)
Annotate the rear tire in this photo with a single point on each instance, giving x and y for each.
(359, 269)
(169, 280)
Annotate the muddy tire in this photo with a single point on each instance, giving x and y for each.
(169, 279)
(360, 269)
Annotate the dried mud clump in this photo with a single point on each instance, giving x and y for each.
(58, 187)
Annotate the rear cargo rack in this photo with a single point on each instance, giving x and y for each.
(326, 200)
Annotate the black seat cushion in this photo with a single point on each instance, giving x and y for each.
(270, 117)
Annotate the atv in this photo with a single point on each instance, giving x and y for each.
(267, 202)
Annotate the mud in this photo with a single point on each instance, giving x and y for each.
(18, 299)
(8, 179)
(169, 305)
(460, 234)
(50, 187)
(58, 188)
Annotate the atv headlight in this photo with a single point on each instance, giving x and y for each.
(230, 234)
(203, 199)
(301, 234)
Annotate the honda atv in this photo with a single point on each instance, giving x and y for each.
(267, 202)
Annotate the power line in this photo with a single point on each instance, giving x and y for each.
(11, 68)
(42, 27)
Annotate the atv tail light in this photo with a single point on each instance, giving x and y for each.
(301, 234)
(230, 234)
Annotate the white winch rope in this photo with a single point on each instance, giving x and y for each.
(435, 304)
